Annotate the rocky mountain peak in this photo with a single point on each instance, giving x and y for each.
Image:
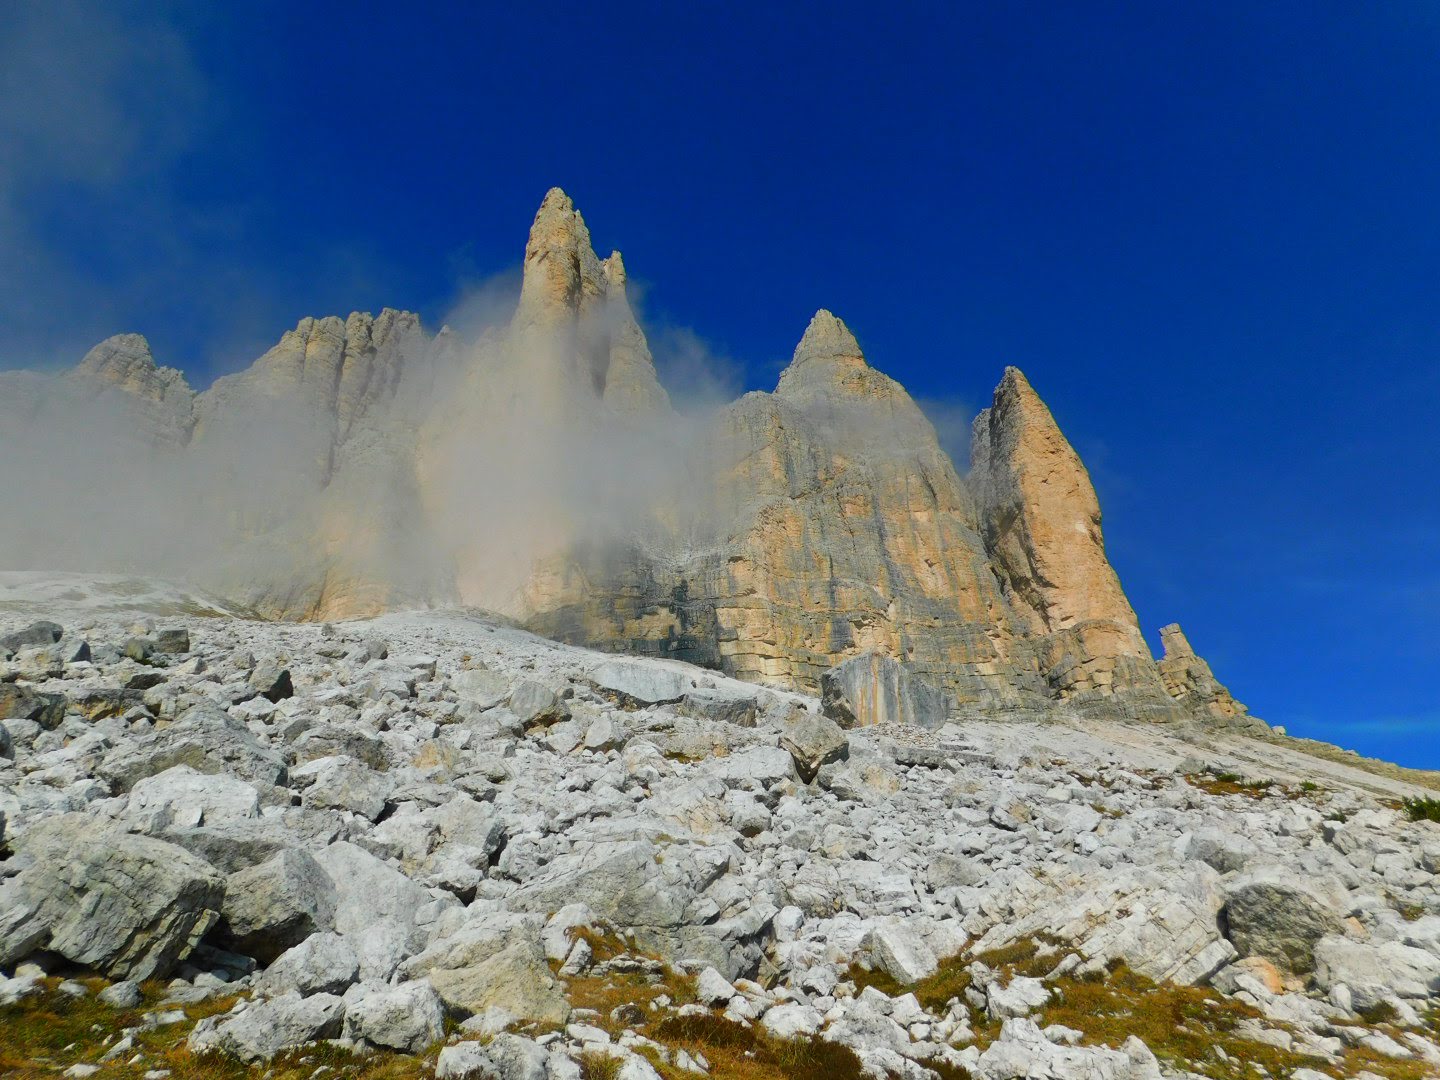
(1041, 522)
(562, 276)
(828, 338)
(827, 359)
(156, 400)
(125, 362)
(819, 522)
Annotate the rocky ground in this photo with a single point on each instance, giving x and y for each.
(432, 844)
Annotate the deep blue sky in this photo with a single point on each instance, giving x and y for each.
(1210, 234)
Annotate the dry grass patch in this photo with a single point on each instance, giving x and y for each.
(737, 1052)
(46, 1033)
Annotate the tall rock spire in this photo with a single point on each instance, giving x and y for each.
(1041, 522)
(562, 276)
(574, 321)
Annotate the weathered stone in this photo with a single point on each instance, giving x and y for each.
(1375, 973)
(37, 633)
(466, 1061)
(273, 906)
(271, 681)
(901, 952)
(535, 703)
(482, 687)
(640, 681)
(873, 689)
(323, 963)
(172, 639)
(1275, 913)
(264, 1028)
(812, 741)
(502, 968)
(719, 706)
(22, 703)
(127, 906)
(190, 799)
(207, 740)
(409, 1017)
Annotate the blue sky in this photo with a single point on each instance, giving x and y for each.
(1210, 235)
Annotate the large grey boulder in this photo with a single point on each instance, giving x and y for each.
(37, 633)
(18, 702)
(622, 881)
(874, 689)
(258, 1030)
(370, 892)
(323, 963)
(481, 687)
(494, 963)
(1225, 851)
(408, 1017)
(271, 681)
(341, 783)
(640, 681)
(1374, 974)
(813, 741)
(270, 907)
(188, 798)
(720, 706)
(901, 951)
(535, 704)
(124, 905)
(207, 739)
(466, 1061)
(1276, 913)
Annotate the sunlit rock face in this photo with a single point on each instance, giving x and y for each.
(542, 472)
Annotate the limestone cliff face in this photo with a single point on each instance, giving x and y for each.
(337, 530)
(542, 472)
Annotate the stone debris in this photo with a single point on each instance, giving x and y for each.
(450, 818)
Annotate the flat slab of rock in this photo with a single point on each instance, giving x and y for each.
(641, 682)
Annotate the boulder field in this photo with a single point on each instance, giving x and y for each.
(435, 834)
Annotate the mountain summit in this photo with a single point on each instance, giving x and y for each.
(362, 465)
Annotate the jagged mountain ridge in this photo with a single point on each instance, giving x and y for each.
(542, 473)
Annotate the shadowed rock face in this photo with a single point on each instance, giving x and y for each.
(542, 472)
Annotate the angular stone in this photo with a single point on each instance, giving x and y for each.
(173, 639)
(719, 706)
(503, 968)
(271, 681)
(640, 681)
(1277, 914)
(207, 740)
(37, 633)
(323, 963)
(190, 799)
(409, 1017)
(265, 1028)
(124, 905)
(271, 907)
(19, 702)
(873, 689)
(812, 741)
